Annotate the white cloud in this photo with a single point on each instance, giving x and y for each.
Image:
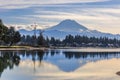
(15, 4)
(102, 19)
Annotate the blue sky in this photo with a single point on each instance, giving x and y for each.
(102, 15)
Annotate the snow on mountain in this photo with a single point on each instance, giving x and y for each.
(67, 27)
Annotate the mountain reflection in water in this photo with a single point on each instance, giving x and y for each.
(65, 61)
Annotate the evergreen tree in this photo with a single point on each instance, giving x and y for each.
(52, 41)
(47, 41)
(28, 40)
(12, 36)
(23, 39)
(3, 30)
(17, 37)
(41, 40)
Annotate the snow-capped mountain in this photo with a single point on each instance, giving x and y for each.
(67, 27)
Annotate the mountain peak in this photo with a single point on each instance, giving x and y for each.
(69, 26)
(68, 21)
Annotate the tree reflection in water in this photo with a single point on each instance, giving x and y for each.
(92, 55)
(9, 59)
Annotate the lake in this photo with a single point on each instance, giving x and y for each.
(59, 64)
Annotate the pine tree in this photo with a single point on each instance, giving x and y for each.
(41, 40)
(12, 36)
(3, 30)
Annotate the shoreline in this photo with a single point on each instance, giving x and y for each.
(21, 48)
(90, 49)
(67, 49)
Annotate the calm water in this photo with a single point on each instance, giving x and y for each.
(59, 65)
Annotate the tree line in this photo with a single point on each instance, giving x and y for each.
(84, 41)
(33, 40)
(70, 41)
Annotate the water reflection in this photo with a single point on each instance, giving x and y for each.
(56, 60)
(91, 55)
(8, 59)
